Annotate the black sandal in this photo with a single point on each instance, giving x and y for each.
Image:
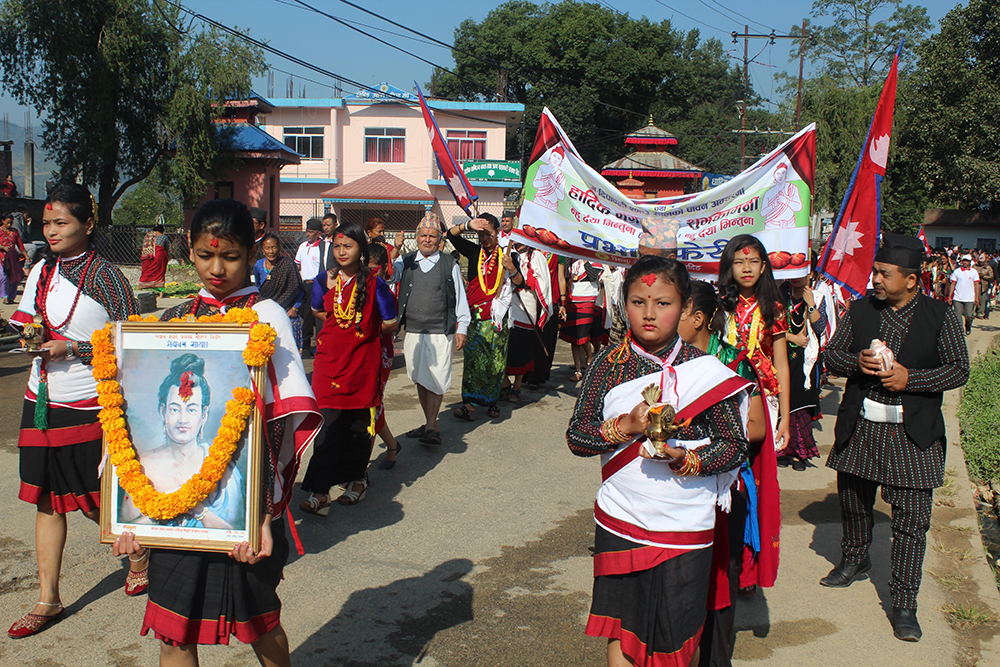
(494, 411)
(416, 432)
(462, 412)
(430, 438)
(388, 465)
(515, 396)
(505, 392)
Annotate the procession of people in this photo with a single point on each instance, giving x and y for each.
(688, 517)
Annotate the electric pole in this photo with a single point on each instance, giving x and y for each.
(747, 35)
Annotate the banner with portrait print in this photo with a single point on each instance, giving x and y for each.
(571, 210)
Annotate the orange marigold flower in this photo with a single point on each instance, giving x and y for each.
(108, 387)
(243, 395)
(110, 400)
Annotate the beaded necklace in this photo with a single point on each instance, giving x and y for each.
(485, 265)
(349, 315)
(42, 307)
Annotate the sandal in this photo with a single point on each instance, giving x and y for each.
(515, 396)
(505, 392)
(494, 411)
(352, 497)
(577, 376)
(31, 624)
(462, 412)
(313, 505)
(415, 433)
(431, 438)
(386, 464)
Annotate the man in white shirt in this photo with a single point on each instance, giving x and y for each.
(506, 227)
(963, 292)
(307, 259)
(435, 313)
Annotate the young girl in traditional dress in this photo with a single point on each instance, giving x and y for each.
(655, 511)
(203, 598)
(695, 328)
(378, 262)
(753, 320)
(806, 326)
(71, 293)
(356, 308)
(582, 317)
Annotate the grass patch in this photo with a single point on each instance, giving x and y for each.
(963, 616)
(951, 581)
(979, 416)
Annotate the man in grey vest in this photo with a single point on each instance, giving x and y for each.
(435, 313)
(900, 351)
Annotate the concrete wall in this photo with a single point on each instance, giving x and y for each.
(967, 237)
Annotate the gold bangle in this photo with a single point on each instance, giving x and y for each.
(691, 465)
(611, 431)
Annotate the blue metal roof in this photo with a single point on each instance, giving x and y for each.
(250, 138)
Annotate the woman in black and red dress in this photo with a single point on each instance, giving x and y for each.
(72, 293)
(357, 307)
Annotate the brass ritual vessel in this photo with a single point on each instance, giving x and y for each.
(33, 335)
(661, 417)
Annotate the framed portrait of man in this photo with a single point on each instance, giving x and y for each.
(176, 380)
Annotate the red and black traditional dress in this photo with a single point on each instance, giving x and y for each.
(746, 331)
(203, 598)
(530, 310)
(347, 374)
(583, 315)
(154, 258)
(60, 445)
(652, 551)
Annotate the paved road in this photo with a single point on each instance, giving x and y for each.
(475, 553)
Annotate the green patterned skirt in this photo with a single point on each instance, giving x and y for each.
(485, 355)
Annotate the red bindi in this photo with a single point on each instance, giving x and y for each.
(214, 243)
(649, 279)
(746, 250)
(48, 207)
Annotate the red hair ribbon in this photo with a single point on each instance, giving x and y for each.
(214, 242)
(649, 279)
(187, 386)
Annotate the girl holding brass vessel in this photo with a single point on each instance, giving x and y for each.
(663, 473)
(69, 295)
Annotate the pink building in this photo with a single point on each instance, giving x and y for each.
(368, 155)
(257, 180)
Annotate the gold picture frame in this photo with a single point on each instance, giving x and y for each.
(172, 428)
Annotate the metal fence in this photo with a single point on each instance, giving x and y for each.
(123, 245)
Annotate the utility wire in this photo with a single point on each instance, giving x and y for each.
(363, 25)
(742, 16)
(691, 18)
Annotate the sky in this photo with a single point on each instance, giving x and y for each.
(323, 42)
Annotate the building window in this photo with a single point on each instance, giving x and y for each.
(467, 144)
(943, 242)
(306, 141)
(987, 245)
(385, 144)
(224, 189)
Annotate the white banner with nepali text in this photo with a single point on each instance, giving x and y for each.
(570, 209)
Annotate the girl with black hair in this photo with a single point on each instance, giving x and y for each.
(154, 258)
(753, 319)
(203, 598)
(356, 308)
(378, 263)
(277, 278)
(71, 294)
(656, 509)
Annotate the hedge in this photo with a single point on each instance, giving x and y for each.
(979, 416)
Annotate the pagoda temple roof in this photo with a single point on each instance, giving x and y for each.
(652, 163)
(651, 135)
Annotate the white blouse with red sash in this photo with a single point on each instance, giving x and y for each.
(644, 500)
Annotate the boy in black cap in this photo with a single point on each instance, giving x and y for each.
(900, 351)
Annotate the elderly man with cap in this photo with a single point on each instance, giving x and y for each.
(307, 258)
(507, 225)
(435, 313)
(963, 292)
(900, 351)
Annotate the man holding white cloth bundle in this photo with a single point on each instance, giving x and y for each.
(900, 351)
(434, 311)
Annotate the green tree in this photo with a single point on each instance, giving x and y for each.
(140, 206)
(856, 50)
(121, 88)
(951, 140)
(601, 73)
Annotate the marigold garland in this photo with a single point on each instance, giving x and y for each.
(121, 452)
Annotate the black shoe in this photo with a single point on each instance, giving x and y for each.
(846, 573)
(798, 464)
(904, 624)
(784, 461)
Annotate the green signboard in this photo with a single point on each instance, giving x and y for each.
(492, 170)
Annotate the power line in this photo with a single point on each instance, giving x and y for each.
(364, 25)
(691, 18)
(747, 18)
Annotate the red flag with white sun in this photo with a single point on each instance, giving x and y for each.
(849, 253)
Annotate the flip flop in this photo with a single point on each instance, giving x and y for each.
(416, 432)
(431, 438)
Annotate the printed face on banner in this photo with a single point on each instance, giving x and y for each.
(570, 209)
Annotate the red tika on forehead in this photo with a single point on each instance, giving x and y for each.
(649, 279)
(746, 250)
(214, 243)
(48, 207)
